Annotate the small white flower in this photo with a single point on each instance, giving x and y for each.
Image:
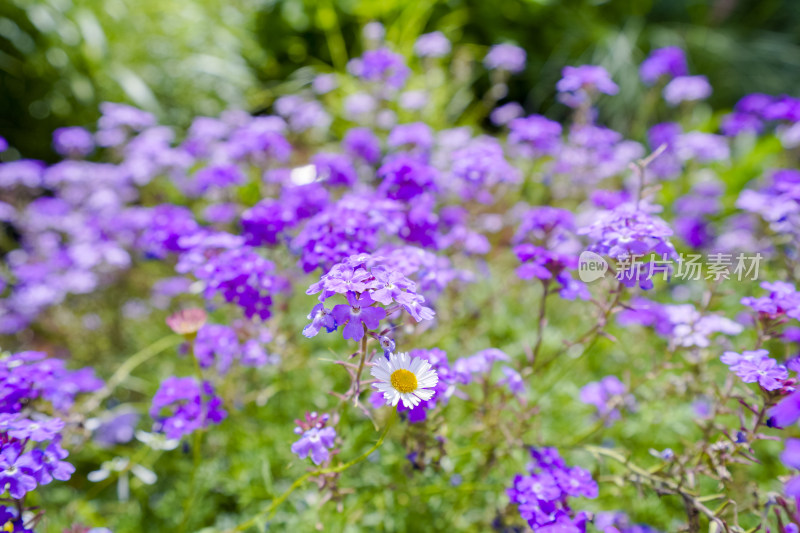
(403, 378)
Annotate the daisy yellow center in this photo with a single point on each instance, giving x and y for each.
(404, 380)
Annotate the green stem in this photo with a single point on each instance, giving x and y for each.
(361, 365)
(126, 368)
(541, 322)
(197, 441)
(269, 512)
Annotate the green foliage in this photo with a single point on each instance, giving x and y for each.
(59, 59)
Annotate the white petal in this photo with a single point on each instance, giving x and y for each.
(424, 367)
(409, 400)
(426, 384)
(424, 394)
(394, 362)
(381, 374)
(404, 360)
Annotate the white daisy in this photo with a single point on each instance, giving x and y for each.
(403, 378)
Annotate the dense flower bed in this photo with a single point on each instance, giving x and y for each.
(574, 330)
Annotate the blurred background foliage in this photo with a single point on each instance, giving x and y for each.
(60, 58)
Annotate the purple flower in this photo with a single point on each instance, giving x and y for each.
(433, 44)
(324, 83)
(513, 381)
(783, 300)
(480, 166)
(381, 65)
(541, 486)
(504, 114)
(51, 464)
(335, 169)
(302, 114)
(320, 317)
(259, 141)
(762, 370)
(733, 359)
(579, 84)
(535, 135)
(479, 364)
(416, 135)
(254, 354)
(389, 286)
(607, 396)
(791, 454)
(39, 430)
(542, 495)
(627, 233)
(404, 177)
(687, 89)
(505, 57)
(362, 143)
(704, 147)
(387, 344)
(315, 442)
(115, 429)
(577, 482)
(22, 172)
(270, 219)
(243, 277)
(316, 439)
(17, 470)
(182, 406)
(217, 175)
(668, 62)
(787, 412)
(73, 142)
(782, 108)
(216, 343)
(352, 225)
(736, 123)
(358, 312)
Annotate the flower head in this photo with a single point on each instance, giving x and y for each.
(433, 44)
(317, 439)
(687, 89)
(402, 377)
(187, 321)
(505, 57)
(667, 62)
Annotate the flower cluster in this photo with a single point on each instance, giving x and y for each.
(757, 366)
(608, 396)
(783, 301)
(31, 452)
(373, 292)
(683, 325)
(182, 406)
(548, 249)
(628, 232)
(543, 494)
(317, 438)
(668, 62)
(778, 203)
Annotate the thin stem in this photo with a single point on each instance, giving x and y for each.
(269, 512)
(658, 483)
(542, 320)
(126, 368)
(364, 340)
